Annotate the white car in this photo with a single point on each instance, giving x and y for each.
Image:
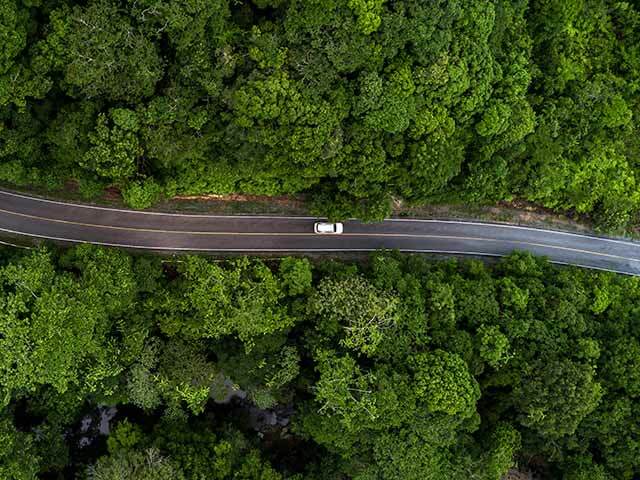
(325, 227)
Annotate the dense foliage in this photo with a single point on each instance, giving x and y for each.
(400, 368)
(355, 101)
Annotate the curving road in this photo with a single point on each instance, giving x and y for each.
(76, 223)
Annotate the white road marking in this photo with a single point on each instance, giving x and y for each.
(9, 244)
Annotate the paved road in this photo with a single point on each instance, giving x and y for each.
(65, 222)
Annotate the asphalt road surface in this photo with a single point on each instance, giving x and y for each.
(75, 223)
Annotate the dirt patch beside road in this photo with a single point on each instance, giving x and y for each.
(516, 213)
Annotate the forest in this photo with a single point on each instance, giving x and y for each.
(353, 102)
(394, 367)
